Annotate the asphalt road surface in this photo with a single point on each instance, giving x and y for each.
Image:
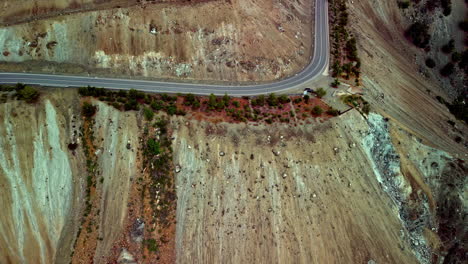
(318, 65)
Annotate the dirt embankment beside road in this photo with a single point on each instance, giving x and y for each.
(240, 40)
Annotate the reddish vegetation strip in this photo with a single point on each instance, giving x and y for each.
(86, 242)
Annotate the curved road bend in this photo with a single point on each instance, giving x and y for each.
(317, 66)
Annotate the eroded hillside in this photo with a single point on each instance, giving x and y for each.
(41, 187)
(240, 40)
(346, 189)
(391, 79)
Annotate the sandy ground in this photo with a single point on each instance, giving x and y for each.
(241, 40)
(277, 196)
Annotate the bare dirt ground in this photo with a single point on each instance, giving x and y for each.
(238, 40)
(335, 190)
(275, 196)
(391, 81)
(40, 179)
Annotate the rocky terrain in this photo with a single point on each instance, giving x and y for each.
(240, 40)
(342, 190)
(385, 187)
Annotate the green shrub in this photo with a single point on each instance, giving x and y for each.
(430, 63)
(171, 109)
(403, 4)
(446, 7)
(134, 94)
(317, 110)
(320, 92)
(418, 33)
(333, 112)
(448, 69)
(351, 49)
(28, 94)
(157, 105)
(212, 102)
(272, 99)
(88, 110)
(298, 100)
(283, 99)
(236, 104)
(131, 104)
(226, 99)
(337, 69)
(148, 113)
(189, 99)
(152, 147)
(151, 245)
(259, 101)
(335, 83)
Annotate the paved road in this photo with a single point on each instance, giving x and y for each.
(317, 66)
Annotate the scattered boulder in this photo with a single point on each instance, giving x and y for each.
(177, 168)
(137, 230)
(125, 257)
(276, 152)
(221, 153)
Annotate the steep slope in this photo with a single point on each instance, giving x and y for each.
(391, 78)
(279, 194)
(39, 179)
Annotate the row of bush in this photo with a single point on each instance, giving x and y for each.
(22, 92)
(348, 63)
(133, 99)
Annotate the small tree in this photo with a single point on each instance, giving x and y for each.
(317, 110)
(430, 63)
(88, 110)
(212, 102)
(189, 99)
(171, 109)
(272, 100)
(320, 92)
(335, 83)
(131, 104)
(333, 112)
(448, 69)
(306, 98)
(283, 99)
(29, 94)
(261, 100)
(449, 47)
(148, 113)
(418, 33)
(157, 105)
(226, 99)
(153, 147)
